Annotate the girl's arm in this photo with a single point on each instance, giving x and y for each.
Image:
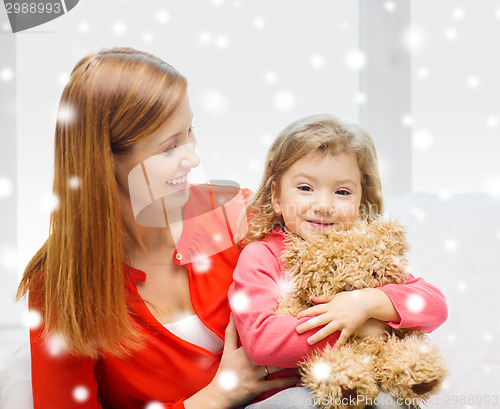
(269, 339)
(414, 305)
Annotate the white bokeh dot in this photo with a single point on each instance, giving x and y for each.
(266, 139)
(422, 73)
(56, 345)
(473, 82)
(451, 34)
(259, 22)
(6, 27)
(445, 194)
(119, 28)
(451, 245)
(6, 74)
(360, 98)
(317, 61)
(63, 78)
(202, 264)
(254, 164)
(5, 187)
(422, 140)
(154, 405)
(488, 337)
(217, 3)
(228, 380)
(407, 120)
(284, 101)
(458, 14)
(74, 182)
(414, 38)
(214, 102)
(462, 286)
(344, 25)
(390, 6)
(81, 393)
(83, 27)
(415, 303)
(498, 13)
(32, 319)
(355, 60)
(162, 16)
(50, 202)
(320, 371)
(492, 122)
(451, 337)
(205, 37)
(271, 77)
(222, 42)
(148, 37)
(239, 301)
(8, 257)
(66, 114)
(418, 213)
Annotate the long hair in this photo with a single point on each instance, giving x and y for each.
(113, 100)
(323, 134)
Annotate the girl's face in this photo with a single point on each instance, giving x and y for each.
(319, 192)
(155, 172)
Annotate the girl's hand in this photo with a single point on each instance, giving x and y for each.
(346, 312)
(372, 327)
(238, 380)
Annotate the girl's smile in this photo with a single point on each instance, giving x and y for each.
(319, 192)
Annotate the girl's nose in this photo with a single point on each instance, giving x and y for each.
(324, 206)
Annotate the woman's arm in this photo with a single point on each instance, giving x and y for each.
(60, 381)
(236, 367)
(269, 339)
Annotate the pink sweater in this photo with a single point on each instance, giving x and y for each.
(272, 340)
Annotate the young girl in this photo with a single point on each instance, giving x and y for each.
(320, 173)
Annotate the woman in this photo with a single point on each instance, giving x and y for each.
(133, 248)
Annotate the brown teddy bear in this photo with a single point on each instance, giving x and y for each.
(402, 362)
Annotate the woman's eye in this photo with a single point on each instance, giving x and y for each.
(305, 188)
(343, 192)
(170, 150)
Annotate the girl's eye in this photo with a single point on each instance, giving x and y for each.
(343, 192)
(191, 128)
(305, 188)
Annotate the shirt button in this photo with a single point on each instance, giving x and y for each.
(178, 256)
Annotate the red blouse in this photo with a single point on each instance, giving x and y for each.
(168, 369)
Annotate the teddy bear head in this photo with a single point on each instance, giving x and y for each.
(367, 254)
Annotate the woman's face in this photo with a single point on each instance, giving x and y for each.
(154, 174)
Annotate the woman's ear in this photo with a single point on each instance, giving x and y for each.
(275, 198)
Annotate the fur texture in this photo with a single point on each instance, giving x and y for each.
(402, 362)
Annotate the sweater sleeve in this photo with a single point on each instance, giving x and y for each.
(268, 338)
(420, 305)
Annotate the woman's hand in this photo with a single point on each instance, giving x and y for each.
(346, 312)
(238, 380)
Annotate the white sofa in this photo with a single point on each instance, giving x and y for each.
(455, 244)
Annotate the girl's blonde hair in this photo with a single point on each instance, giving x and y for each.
(324, 134)
(113, 100)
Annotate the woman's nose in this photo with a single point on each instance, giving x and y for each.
(190, 158)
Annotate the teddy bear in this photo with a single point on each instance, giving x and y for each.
(403, 363)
